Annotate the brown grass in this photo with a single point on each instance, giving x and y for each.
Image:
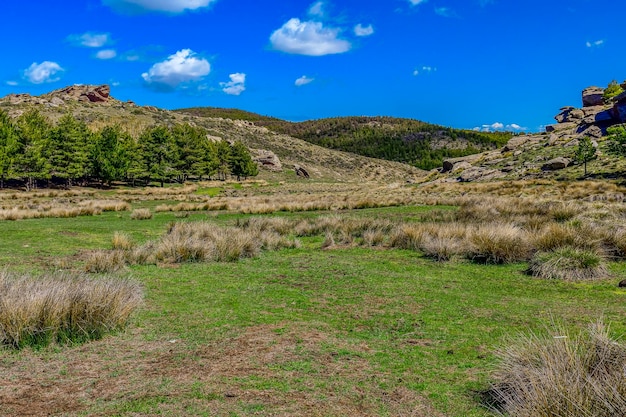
(35, 311)
(141, 214)
(561, 375)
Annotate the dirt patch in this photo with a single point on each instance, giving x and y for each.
(266, 370)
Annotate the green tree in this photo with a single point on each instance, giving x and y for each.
(196, 154)
(8, 147)
(585, 152)
(68, 149)
(158, 154)
(108, 157)
(241, 163)
(33, 154)
(223, 158)
(617, 139)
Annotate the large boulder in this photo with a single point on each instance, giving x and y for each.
(619, 109)
(560, 127)
(267, 159)
(515, 142)
(479, 174)
(556, 164)
(593, 96)
(569, 114)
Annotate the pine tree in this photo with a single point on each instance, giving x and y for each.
(108, 159)
(585, 152)
(158, 154)
(34, 146)
(241, 163)
(223, 158)
(8, 147)
(68, 149)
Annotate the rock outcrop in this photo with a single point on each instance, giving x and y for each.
(100, 94)
(267, 159)
(556, 164)
(593, 96)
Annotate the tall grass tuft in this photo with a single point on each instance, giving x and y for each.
(568, 263)
(559, 375)
(37, 311)
(141, 214)
(495, 243)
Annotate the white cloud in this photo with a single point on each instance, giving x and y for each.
(181, 67)
(308, 38)
(317, 9)
(416, 2)
(360, 30)
(90, 39)
(304, 80)
(424, 70)
(167, 6)
(46, 72)
(106, 54)
(595, 43)
(499, 126)
(11, 83)
(236, 85)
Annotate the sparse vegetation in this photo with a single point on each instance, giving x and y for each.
(141, 214)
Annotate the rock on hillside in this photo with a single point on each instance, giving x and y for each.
(541, 155)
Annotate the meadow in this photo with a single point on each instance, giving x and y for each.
(312, 298)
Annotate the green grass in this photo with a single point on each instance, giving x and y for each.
(350, 323)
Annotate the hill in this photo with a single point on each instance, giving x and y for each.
(97, 108)
(409, 141)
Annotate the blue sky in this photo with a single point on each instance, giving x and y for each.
(461, 63)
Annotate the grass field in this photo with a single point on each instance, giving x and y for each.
(345, 330)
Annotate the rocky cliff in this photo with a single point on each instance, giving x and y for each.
(547, 154)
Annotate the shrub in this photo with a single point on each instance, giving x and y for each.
(36, 311)
(498, 244)
(568, 263)
(141, 214)
(559, 375)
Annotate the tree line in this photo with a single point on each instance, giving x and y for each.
(33, 151)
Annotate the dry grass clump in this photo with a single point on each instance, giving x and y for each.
(105, 261)
(568, 263)
(442, 248)
(559, 375)
(141, 214)
(208, 206)
(36, 311)
(205, 242)
(106, 205)
(498, 243)
(122, 240)
(557, 235)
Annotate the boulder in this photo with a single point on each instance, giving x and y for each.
(569, 114)
(593, 96)
(619, 109)
(460, 166)
(479, 174)
(301, 172)
(267, 159)
(560, 126)
(514, 143)
(597, 114)
(591, 131)
(556, 164)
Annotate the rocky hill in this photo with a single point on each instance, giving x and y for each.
(551, 153)
(278, 155)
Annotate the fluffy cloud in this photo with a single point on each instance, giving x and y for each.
(445, 12)
(304, 80)
(106, 54)
(236, 85)
(416, 2)
(11, 83)
(90, 39)
(360, 30)
(167, 6)
(46, 72)
(595, 44)
(499, 126)
(308, 38)
(182, 67)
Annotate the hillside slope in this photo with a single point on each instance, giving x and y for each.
(408, 141)
(95, 106)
